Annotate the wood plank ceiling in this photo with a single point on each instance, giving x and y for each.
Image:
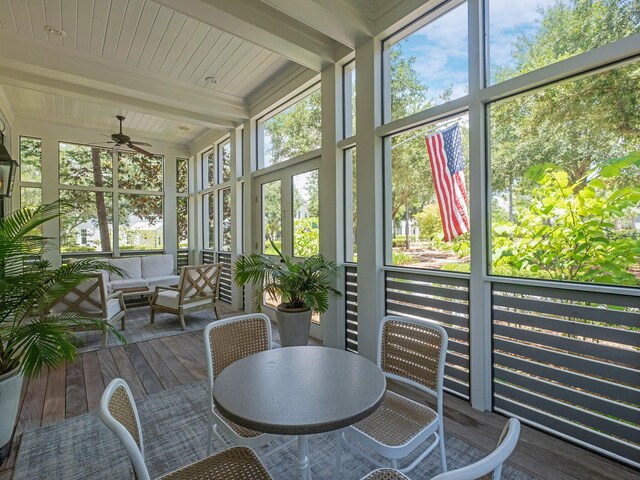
(153, 57)
(146, 36)
(78, 113)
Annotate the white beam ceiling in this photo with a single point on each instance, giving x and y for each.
(44, 67)
(266, 26)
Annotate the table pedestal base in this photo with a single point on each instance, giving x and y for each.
(304, 467)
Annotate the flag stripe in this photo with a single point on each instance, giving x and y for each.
(445, 156)
(434, 158)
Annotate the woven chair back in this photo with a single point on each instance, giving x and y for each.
(234, 340)
(87, 298)
(411, 351)
(121, 407)
(198, 281)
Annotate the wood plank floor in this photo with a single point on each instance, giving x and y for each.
(156, 365)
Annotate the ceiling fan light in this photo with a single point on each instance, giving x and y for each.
(211, 80)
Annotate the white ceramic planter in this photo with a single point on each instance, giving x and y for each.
(10, 388)
(293, 325)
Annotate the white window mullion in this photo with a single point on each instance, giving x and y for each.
(479, 290)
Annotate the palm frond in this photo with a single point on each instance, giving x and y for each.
(29, 337)
(296, 284)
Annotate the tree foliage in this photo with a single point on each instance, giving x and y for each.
(568, 231)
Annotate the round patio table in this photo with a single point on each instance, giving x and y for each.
(299, 391)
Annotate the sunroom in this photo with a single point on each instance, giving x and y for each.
(471, 167)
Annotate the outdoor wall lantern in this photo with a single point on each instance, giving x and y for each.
(8, 167)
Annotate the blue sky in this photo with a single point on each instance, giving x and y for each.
(441, 46)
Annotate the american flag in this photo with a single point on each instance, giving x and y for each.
(447, 167)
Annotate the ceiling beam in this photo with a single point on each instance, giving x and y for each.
(50, 85)
(73, 72)
(267, 27)
(334, 18)
(6, 107)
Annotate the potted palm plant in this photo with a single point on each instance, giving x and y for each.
(299, 288)
(30, 337)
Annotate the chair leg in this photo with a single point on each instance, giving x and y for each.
(215, 311)
(105, 336)
(122, 322)
(181, 315)
(394, 463)
(443, 455)
(336, 475)
(153, 315)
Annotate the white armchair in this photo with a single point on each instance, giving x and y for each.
(198, 289)
(90, 299)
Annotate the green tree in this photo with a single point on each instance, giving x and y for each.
(568, 230)
(295, 130)
(576, 125)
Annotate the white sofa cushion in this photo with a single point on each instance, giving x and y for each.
(170, 299)
(164, 281)
(157, 266)
(132, 266)
(128, 283)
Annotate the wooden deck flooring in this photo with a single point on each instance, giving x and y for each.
(156, 365)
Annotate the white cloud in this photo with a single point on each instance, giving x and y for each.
(441, 52)
(509, 19)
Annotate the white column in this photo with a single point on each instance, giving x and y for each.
(236, 208)
(369, 185)
(251, 236)
(331, 199)
(50, 229)
(170, 217)
(479, 289)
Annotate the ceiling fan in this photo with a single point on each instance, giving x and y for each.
(119, 139)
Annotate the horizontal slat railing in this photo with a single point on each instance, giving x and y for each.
(67, 257)
(351, 307)
(182, 258)
(444, 300)
(569, 362)
(226, 283)
(208, 256)
(140, 253)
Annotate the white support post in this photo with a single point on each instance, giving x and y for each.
(331, 203)
(50, 229)
(250, 236)
(479, 289)
(369, 179)
(195, 223)
(236, 209)
(170, 215)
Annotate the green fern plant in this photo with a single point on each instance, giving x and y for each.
(295, 284)
(30, 337)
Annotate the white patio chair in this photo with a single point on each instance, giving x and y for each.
(490, 467)
(198, 288)
(90, 299)
(412, 352)
(119, 413)
(227, 341)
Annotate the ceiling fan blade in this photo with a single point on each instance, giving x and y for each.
(139, 150)
(144, 144)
